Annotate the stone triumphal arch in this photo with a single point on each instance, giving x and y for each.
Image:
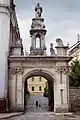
(54, 67)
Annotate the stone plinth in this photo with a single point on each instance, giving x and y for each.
(61, 50)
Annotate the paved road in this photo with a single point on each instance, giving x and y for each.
(42, 101)
(45, 116)
(42, 113)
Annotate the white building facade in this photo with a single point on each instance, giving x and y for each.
(4, 47)
(9, 32)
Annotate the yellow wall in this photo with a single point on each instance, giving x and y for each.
(75, 55)
(36, 83)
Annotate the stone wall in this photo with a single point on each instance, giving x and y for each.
(74, 99)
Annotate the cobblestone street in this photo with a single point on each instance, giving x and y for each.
(42, 101)
(45, 116)
(42, 113)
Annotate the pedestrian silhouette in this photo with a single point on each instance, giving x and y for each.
(39, 105)
(36, 103)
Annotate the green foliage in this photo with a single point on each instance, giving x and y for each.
(26, 92)
(48, 92)
(74, 73)
(45, 92)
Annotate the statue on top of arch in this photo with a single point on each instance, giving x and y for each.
(38, 11)
(52, 51)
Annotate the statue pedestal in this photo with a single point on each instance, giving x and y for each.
(61, 50)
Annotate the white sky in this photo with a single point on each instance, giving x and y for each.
(62, 20)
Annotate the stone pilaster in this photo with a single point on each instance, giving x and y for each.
(61, 89)
(12, 88)
(15, 85)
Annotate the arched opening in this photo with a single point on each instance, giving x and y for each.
(38, 41)
(39, 85)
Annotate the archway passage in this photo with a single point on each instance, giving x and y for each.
(38, 92)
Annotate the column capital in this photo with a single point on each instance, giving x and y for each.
(62, 69)
(17, 70)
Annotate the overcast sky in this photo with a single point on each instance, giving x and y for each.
(62, 20)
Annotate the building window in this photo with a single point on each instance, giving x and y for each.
(32, 88)
(40, 79)
(32, 79)
(40, 88)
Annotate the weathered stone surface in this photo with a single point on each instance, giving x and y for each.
(53, 68)
(21, 68)
(74, 98)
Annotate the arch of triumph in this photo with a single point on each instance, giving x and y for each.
(20, 67)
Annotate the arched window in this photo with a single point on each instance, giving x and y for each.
(32, 88)
(37, 42)
(40, 88)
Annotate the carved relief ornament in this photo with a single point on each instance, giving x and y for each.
(17, 70)
(62, 69)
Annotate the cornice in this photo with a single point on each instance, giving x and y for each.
(40, 58)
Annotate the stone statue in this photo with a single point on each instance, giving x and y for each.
(78, 35)
(52, 51)
(59, 42)
(38, 11)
